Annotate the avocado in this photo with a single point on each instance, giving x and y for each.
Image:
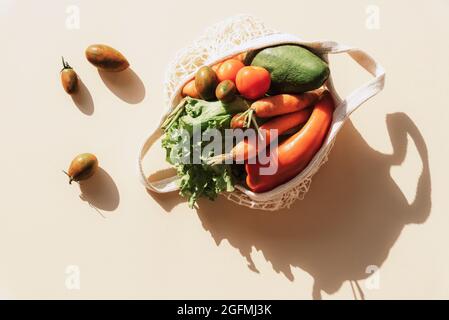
(293, 68)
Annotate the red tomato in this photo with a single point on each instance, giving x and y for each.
(253, 82)
(216, 66)
(228, 69)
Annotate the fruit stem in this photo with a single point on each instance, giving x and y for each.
(70, 178)
(65, 64)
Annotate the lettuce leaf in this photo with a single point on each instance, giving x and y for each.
(199, 180)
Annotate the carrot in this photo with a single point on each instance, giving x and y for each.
(239, 121)
(246, 148)
(295, 153)
(190, 90)
(284, 103)
(241, 56)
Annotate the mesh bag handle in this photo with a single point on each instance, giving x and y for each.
(367, 90)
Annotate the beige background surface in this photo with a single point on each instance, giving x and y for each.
(381, 199)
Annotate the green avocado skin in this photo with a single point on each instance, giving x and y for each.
(293, 68)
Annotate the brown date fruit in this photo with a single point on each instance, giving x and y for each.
(82, 167)
(69, 78)
(226, 91)
(106, 58)
(205, 82)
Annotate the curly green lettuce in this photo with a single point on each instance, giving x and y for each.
(198, 180)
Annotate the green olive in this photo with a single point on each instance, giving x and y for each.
(205, 82)
(106, 58)
(82, 167)
(69, 78)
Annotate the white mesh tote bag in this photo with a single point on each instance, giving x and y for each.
(243, 33)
